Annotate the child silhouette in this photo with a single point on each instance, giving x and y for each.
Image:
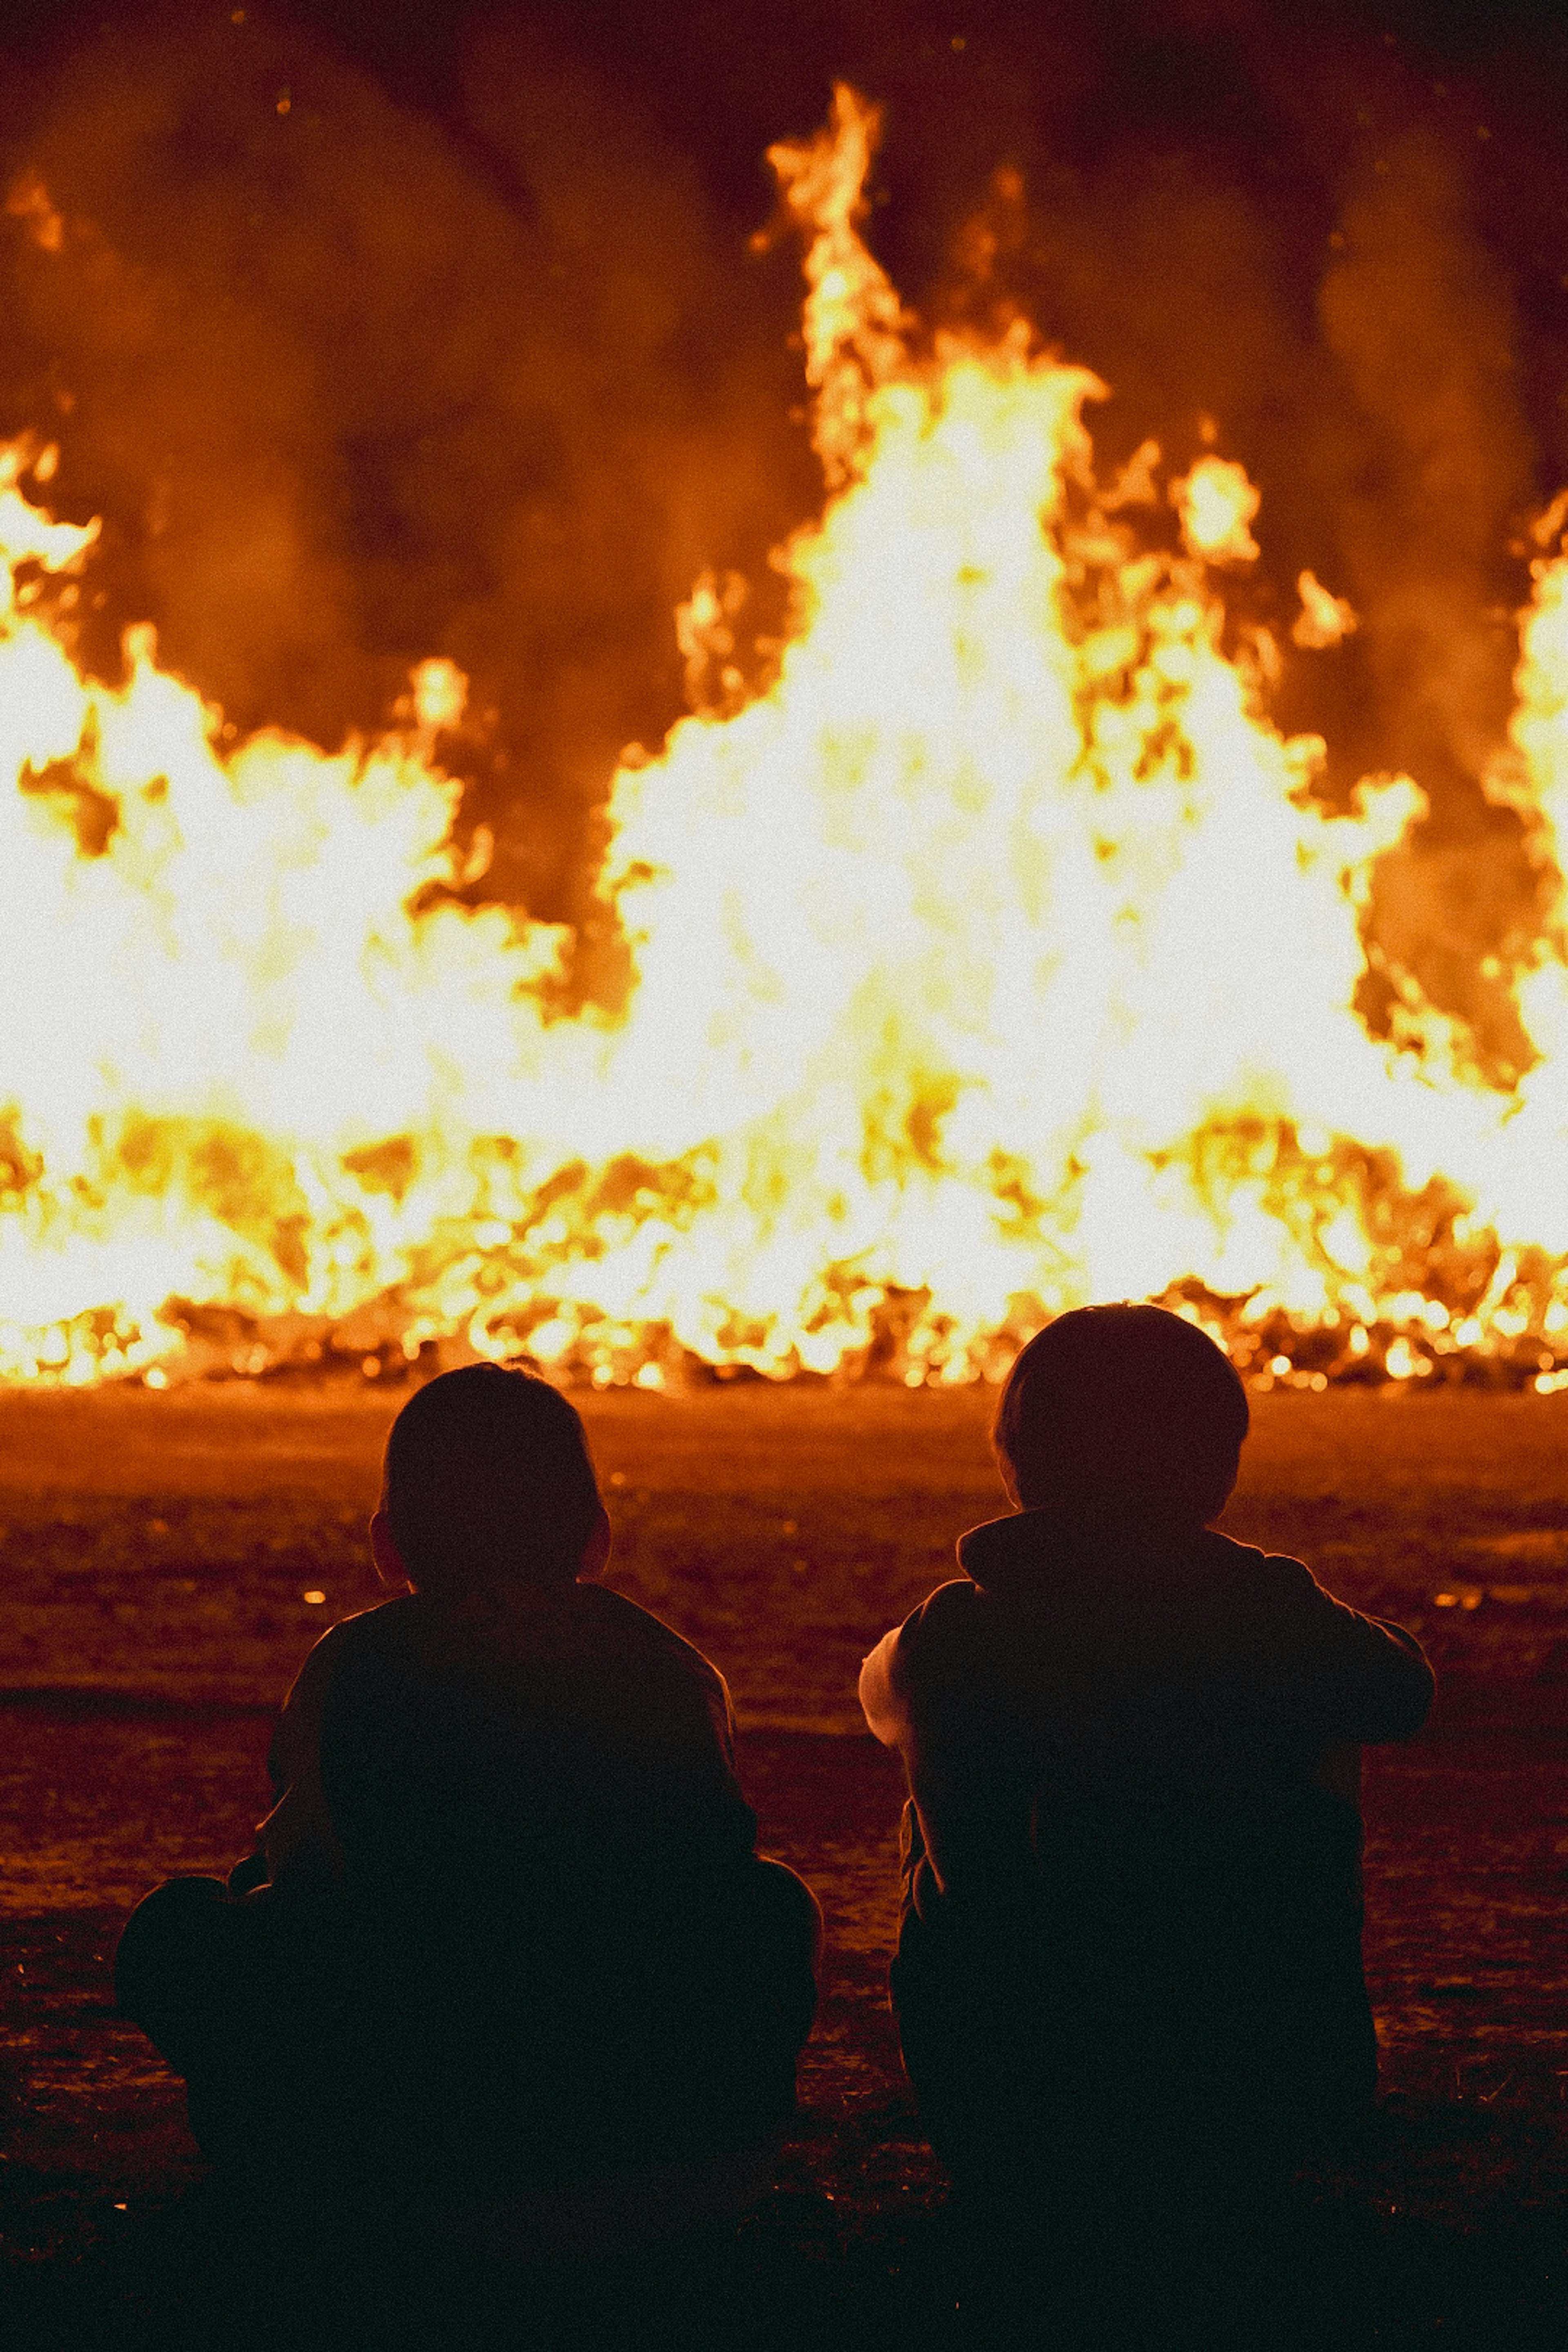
(507, 1928)
(1131, 1946)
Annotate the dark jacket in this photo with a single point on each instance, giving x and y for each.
(516, 1818)
(1134, 1816)
(552, 1738)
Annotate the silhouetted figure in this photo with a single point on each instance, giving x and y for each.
(1129, 1977)
(507, 1930)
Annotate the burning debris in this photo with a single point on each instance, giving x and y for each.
(990, 949)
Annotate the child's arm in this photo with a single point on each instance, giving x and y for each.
(878, 1704)
(1338, 1771)
(1358, 1679)
(296, 1836)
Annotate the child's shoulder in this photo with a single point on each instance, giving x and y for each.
(1016, 1574)
(578, 1637)
(951, 1620)
(612, 1615)
(575, 1618)
(1270, 1577)
(378, 1627)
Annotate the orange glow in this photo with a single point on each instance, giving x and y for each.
(996, 958)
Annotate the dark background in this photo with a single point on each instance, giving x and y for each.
(379, 330)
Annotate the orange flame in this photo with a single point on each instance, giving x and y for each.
(996, 958)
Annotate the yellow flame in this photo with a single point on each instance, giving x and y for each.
(853, 323)
(996, 958)
(1216, 503)
(1324, 618)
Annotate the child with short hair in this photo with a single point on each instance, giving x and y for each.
(507, 1926)
(1131, 1943)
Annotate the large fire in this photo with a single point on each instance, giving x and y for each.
(991, 956)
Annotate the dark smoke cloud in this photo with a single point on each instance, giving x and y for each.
(1420, 316)
(350, 386)
(422, 330)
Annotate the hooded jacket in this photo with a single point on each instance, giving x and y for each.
(1133, 1825)
(1131, 1850)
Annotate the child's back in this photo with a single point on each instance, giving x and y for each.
(543, 1853)
(530, 1730)
(1132, 1904)
(507, 1923)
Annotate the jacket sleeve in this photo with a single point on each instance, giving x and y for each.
(885, 1716)
(1355, 1677)
(296, 1836)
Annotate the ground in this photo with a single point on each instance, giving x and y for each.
(167, 1560)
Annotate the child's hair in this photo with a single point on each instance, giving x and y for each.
(487, 1475)
(1125, 1408)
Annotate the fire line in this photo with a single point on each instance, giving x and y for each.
(990, 955)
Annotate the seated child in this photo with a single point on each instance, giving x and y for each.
(507, 1928)
(1132, 1923)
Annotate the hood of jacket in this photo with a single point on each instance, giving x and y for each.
(1022, 1552)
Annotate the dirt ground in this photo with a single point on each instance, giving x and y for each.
(166, 1562)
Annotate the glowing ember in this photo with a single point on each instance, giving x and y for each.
(994, 957)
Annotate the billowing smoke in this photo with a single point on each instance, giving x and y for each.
(351, 387)
(1419, 317)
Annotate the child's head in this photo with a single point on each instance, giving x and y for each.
(1124, 1409)
(488, 1477)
